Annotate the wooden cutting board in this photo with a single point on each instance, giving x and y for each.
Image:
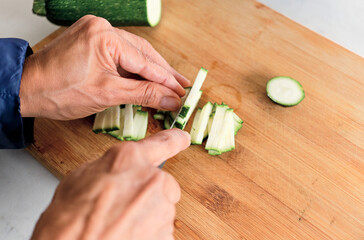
(296, 173)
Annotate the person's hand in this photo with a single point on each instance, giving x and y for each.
(123, 195)
(83, 71)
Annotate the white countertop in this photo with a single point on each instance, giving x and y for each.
(26, 187)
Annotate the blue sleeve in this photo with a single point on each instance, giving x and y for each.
(15, 131)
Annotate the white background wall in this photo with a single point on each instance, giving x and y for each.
(26, 187)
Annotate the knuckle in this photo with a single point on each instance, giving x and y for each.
(87, 17)
(144, 63)
(97, 23)
(149, 94)
(146, 43)
(122, 154)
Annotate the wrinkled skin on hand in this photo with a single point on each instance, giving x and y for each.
(83, 72)
(123, 195)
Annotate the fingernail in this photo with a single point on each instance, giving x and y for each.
(170, 103)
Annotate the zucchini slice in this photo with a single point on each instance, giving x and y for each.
(191, 100)
(158, 116)
(128, 122)
(140, 125)
(167, 122)
(221, 138)
(107, 120)
(118, 134)
(217, 123)
(193, 94)
(238, 123)
(180, 122)
(197, 135)
(227, 140)
(174, 114)
(194, 127)
(285, 91)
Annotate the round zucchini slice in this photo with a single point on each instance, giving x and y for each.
(285, 91)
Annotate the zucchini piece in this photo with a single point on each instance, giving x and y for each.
(167, 122)
(39, 7)
(207, 130)
(180, 122)
(214, 152)
(193, 95)
(158, 116)
(197, 135)
(140, 125)
(226, 136)
(118, 13)
(118, 134)
(209, 124)
(107, 120)
(217, 123)
(174, 114)
(194, 127)
(285, 91)
(238, 123)
(161, 111)
(128, 122)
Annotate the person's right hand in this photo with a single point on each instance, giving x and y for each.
(123, 195)
(82, 72)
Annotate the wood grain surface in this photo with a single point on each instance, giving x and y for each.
(296, 173)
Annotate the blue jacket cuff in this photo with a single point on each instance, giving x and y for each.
(15, 131)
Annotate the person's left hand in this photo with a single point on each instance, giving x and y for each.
(83, 72)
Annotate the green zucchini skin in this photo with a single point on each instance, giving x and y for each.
(117, 12)
(39, 7)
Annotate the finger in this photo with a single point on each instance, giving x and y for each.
(133, 60)
(141, 92)
(163, 145)
(172, 189)
(147, 49)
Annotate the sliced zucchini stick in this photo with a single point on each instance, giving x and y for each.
(119, 133)
(194, 93)
(198, 134)
(180, 122)
(226, 136)
(217, 123)
(194, 127)
(174, 114)
(158, 116)
(107, 120)
(136, 108)
(238, 123)
(191, 100)
(140, 125)
(167, 121)
(208, 128)
(214, 152)
(128, 122)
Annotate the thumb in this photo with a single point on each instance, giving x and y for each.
(164, 145)
(145, 93)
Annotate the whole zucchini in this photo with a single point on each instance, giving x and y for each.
(117, 12)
